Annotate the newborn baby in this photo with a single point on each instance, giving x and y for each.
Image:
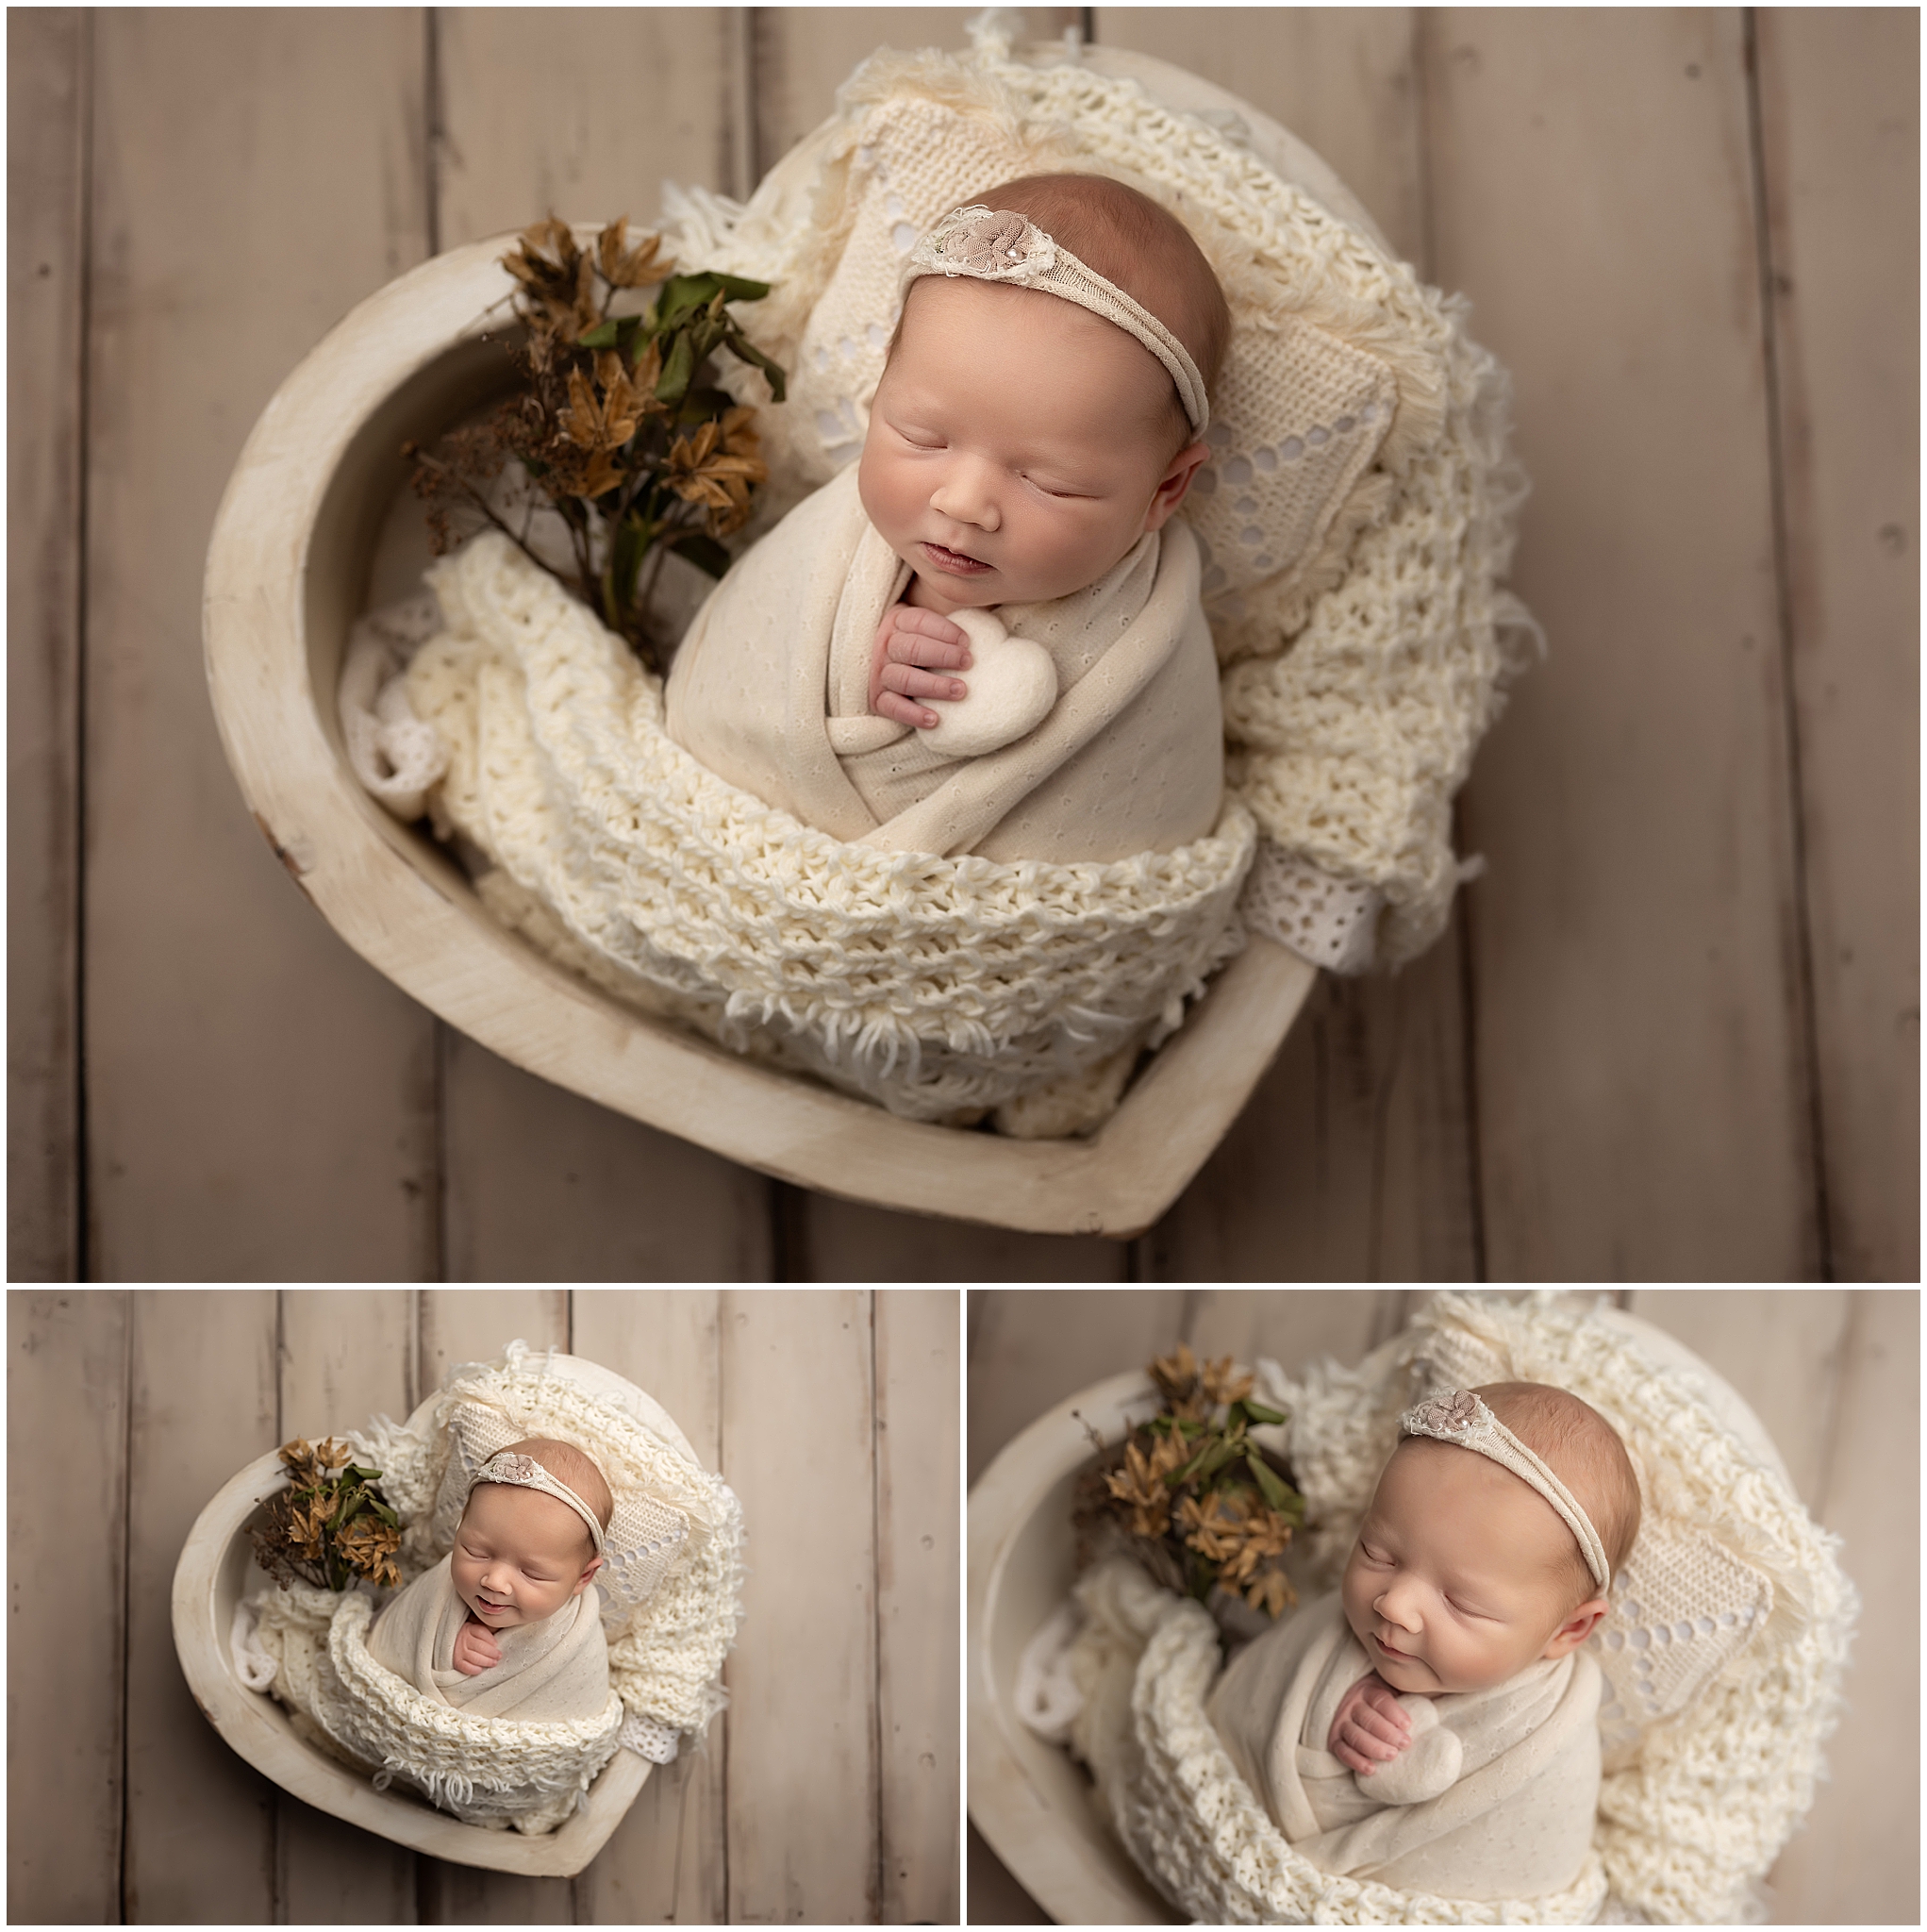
(1432, 1724)
(989, 637)
(506, 1624)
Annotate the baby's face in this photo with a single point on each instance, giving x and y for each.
(519, 1555)
(1455, 1582)
(1019, 446)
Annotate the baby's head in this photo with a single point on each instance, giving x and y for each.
(1020, 443)
(1465, 1571)
(523, 1551)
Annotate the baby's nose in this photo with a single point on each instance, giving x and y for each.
(965, 495)
(1397, 1604)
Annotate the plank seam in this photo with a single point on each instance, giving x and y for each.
(879, 1429)
(81, 1233)
(1783, 607)
(432, 128)
(126, 1572)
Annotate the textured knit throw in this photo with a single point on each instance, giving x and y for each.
(939, 987)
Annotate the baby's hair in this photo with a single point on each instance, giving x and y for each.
(1134, 243)
(575, 1470)
(1585, 1452)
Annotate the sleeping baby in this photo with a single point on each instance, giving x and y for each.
(986, 637)
(1431, 1725)
(507, 1625)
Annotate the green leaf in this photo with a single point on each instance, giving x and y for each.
(603, 335)
(741, 289)
(1275, 1491)
(368, 1475)
(678, 367)
(745, 350)
(1260, 1413)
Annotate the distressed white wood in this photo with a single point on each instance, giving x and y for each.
(798, 1448)
(66, 1628)
(916, 1584)
(200, 1820)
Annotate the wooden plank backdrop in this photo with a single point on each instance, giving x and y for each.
(827, 1792)
(1672, 1033)
(1835, 1374)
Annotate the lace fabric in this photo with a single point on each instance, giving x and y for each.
(1322, 920)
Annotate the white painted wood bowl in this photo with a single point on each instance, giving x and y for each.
(217, 1569)
(290, 569)
(1035, 1807)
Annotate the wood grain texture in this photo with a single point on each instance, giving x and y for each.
(546, 1186)
(259, 1102)
(1856, 1861)
(577, 113)
(48, 53)
(1840, 146)
(543, 1184)
(798, 1449)
(66, 1464)
(1294, 1326)
(666, 1862)
(1640, 1091)
(1342, 80)
(344, 1356)
(200, 1821)
(1029, 1348)
(918, 1584)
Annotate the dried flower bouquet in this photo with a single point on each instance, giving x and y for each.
(330, 1524)
(1193, 1495)
(618, 428)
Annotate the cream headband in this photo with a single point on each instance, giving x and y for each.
(1002, 247)
(1458, 1416)
(525, 1473)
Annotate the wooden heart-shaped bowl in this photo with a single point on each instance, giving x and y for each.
(216, 1570)
(290, 569)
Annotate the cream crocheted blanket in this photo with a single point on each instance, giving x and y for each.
(940, 987)
(559, 1668)
(1493, 1799)
(492, 1769)
(771, 690)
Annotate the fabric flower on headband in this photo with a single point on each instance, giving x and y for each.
(1454, 1411)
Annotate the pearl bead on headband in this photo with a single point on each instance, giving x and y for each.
(1458, 1416)
(990, 246)
(525, 1473)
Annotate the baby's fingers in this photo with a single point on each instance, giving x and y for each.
(921, 637)
(914, 683)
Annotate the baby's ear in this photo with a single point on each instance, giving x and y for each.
(1175, 483)
(1576, 1628)
(588, 1575)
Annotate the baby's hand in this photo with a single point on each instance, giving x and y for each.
(475, 1650)
(1372, 1726)
(911, 646)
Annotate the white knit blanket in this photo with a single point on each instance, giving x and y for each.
(493, 1771)
(940, 988)
(771, 690)
(1493, 1797)
(559, 1668)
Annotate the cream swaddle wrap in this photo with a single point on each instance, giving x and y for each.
(550, 1670)
(1494, 1798)
(771, 690)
